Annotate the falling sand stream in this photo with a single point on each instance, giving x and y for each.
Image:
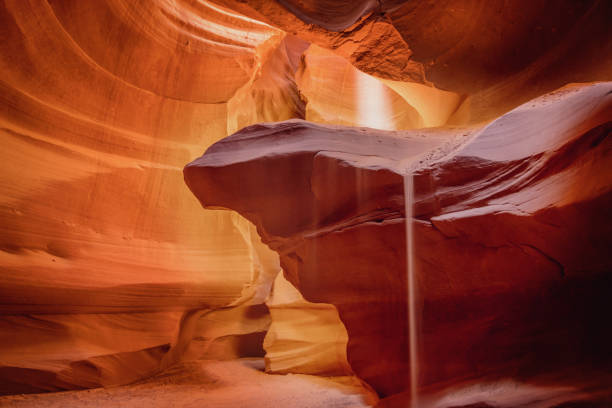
(374, 110)
(411, 289)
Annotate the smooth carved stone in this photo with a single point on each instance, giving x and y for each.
(338, 93)
(369, 41)
(511, 233)
(209, 383)
(304, 337)
(496, 55)
(101, 105)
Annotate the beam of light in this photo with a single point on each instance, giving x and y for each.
(373, 107)
(374, 111)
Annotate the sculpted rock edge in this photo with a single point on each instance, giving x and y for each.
(510, 228)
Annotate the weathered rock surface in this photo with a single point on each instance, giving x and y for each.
(498, 54)
(511, 233)
(103, 250)
(110, 269)
(304, 337)
(338, 93)
(212, 384)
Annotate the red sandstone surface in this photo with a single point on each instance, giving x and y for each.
(497, 261)
(289, 287)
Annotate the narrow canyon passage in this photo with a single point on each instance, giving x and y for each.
(279, 203)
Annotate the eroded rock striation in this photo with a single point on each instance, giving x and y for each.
(511, 233)
(111, 271)
(104, 252)
(498, 55)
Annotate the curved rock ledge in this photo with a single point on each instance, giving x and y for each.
(111, 271)
(511, 233)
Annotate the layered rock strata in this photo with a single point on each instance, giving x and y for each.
(104, 252)
(110, 270)
(511, 238)
(304, 337)
(497, 54)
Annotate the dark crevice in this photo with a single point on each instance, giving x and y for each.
(548, 257)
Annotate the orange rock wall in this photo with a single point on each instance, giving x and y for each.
(110, 268)
(103, 246)
(510, 242)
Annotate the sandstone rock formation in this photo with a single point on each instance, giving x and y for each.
(499, 55)
(111, 272)
(304, 337)
(103, 248)
(511, 231)
(212, 384)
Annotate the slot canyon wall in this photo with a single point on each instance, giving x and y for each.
(512, 246)
(112, 272)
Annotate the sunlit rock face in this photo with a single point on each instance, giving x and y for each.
(103, 247)
(112, 272)
(304, 337)
(338, 93)
(501, 56)
(511, 233)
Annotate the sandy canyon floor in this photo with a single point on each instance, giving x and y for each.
(242, 383)
(218, 384)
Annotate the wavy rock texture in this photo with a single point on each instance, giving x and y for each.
(213, 384)
(104, 250)
(304, 337)
(500, 56)
(337, 93)
(96, 289)
(111, 271)
(368, 40)
(511, 233)
(503, 56)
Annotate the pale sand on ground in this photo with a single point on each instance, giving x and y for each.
(218, 384)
